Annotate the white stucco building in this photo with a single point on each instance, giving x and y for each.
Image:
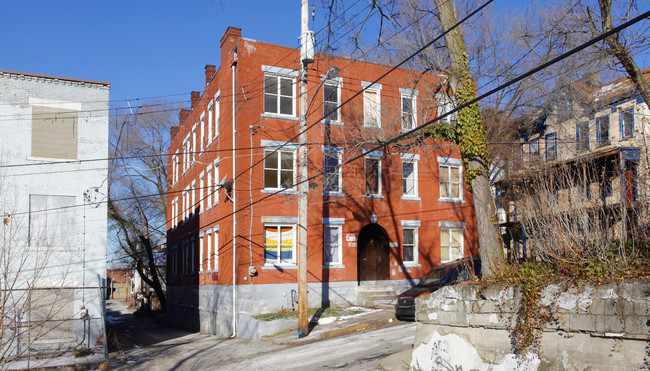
(53, 187)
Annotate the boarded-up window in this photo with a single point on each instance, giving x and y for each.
(55, 132)
(52, 221)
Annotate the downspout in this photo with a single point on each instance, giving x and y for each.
(233, 64)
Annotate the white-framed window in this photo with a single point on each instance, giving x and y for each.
(175, 212)
(451, 179)
(446, 104)
(279, 94)
(372, 175)
(332, 242)
(214, 255)
(372, 105)
(279, 244)
(279, 165)
(186, 203)
(202, 137)
(187, 149)
(331, 100)
(215, 183)
(410, 175)
(409, 108)
(533, 149)
(202, 236)
(210, 122)
(451, 241)
(201, 192)
(409, 245)
(174, 168)
(332, 180)
(193, 199)
(192, 249)
(194, 146)
(217, 115)
(52, 221)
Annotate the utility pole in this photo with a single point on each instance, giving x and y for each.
(306, 40)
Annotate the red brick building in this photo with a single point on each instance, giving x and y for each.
(376, 223)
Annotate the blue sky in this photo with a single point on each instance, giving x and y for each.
(144, 48)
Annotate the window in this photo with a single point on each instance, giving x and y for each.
(373, 176)
(331, 101)
(409, 109)
(332, 177)
(332, 244)
(210, 116)
(217, 114)
(451, 179)
(372, 107)
(445, 105)
(451, 244)
(174, 168)
(409, 245)
(551, 147)
(602, 127)
(202, 236)
(186, 153)
(278, 169)
(52, 221)
(212, 242)
(627, 123)
(409, 178)
(215, 183)
(174, 207)
(194, 146)
(533, 149)
(279, 95)
(192, 205)
(582, 136)
(55, 132)
(607, 175)
(202, 137)
(201, 192)
(279, 244)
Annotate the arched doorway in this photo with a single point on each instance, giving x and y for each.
(373, 254)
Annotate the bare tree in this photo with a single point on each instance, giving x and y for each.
(137, 187)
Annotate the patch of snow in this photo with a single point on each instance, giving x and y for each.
(493, 318)
(433, 316)
(451, 352)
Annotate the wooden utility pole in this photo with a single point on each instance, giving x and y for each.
(303, 189)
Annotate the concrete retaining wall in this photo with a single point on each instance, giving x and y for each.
(208, 308)
(604, 327)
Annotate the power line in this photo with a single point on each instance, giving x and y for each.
(456, 109)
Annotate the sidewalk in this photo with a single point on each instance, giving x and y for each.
(145, 343)
(328, 328)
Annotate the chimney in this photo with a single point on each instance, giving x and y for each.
(182, 116)
(195, 98)
(210, 71)
(173, 131)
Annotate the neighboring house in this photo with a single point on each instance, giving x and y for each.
(588, 149)
(376, 224)
(119, 283)
(53, 180)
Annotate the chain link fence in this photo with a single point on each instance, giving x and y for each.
(52, 327)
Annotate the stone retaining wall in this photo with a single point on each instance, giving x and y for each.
(604, 327)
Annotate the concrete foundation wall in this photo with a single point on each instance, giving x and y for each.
(600, 328)
(208, 308)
